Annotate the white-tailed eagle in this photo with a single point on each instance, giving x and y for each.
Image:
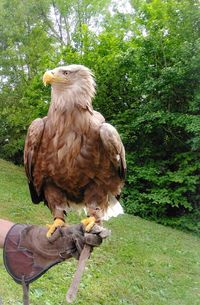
(72, 157)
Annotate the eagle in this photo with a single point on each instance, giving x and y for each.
(73, 159)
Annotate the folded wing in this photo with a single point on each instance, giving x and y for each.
(114, 148)
(32, 144)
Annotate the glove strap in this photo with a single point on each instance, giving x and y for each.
(25, 287)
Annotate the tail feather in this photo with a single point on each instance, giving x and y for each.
(114, 209)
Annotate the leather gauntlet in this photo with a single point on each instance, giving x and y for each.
(28, 253)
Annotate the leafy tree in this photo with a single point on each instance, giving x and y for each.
(25, 50)
(161, 130)
(146, 62)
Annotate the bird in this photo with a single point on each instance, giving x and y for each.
(73, 158)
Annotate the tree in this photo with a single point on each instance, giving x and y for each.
(146, 62)
(22, 59)
(163, 121)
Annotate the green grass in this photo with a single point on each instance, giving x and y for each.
(142, 263)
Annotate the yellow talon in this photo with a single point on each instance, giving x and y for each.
(57, 223)
(88, 223)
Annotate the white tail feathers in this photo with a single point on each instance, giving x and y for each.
(114, 208)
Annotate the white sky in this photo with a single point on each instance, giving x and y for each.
(123, 6)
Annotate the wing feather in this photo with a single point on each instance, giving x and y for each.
(32, 144)
(114, 148)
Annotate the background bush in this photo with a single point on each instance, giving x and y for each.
(146, 59)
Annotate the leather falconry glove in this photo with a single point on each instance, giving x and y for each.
(28, 253)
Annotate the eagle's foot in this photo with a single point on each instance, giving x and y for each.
(57, 223)
(88, 223)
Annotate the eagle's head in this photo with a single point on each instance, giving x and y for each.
(76, 78)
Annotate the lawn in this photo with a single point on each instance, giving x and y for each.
(142, 263)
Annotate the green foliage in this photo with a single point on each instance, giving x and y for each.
(161, 125)
(147, 65)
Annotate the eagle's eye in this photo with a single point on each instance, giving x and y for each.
(97, 209)
(66, 72)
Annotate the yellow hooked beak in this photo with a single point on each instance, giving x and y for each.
(48, 77)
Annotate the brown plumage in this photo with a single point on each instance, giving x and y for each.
(72, 157)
